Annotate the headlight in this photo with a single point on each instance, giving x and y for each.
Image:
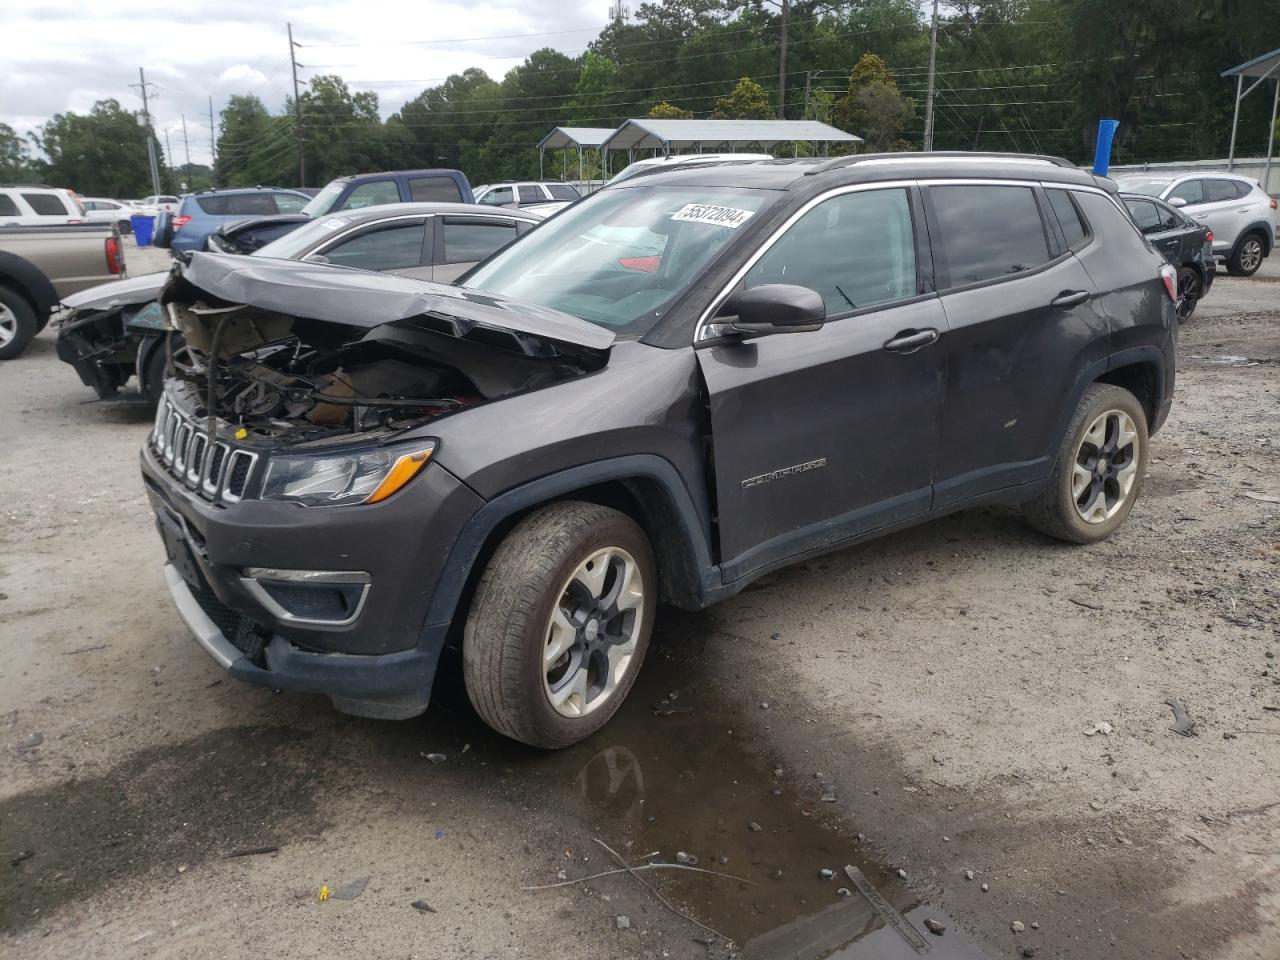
(327, 480)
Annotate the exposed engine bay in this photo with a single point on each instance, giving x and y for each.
(285, 378)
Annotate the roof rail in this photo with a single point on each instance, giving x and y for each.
(836, 163)
(28, 186)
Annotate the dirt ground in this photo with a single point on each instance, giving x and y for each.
(920, 704)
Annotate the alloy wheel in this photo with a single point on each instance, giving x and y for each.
(1105, 467)
(593, 632)
(1188, 293)
(1251, 255)
(8, 325)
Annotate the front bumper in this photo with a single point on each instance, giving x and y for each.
(379, 662)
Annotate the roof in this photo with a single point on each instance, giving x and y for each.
(707, 134)
(422, 209)
(1257, 67)
(575, 137)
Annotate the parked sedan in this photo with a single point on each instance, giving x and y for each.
(105, 210)
(1186, 244)
(113, 332)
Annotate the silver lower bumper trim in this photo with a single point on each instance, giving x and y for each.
(202, 628)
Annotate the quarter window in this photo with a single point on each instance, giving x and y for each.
(562, 191)
(393, 247)
(1145, 215)
(986, 232)
(469, 241)
(7, 207)
(856, 249)
(434, 190)
(45, 204)
(1073, 229)
(1191, 191)
(372, 194)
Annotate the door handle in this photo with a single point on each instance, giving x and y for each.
(1070, 298)
(909, 341)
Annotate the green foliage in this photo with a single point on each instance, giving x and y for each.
(591, 105)
(748, 101)
(254, 147)
(668, 111)
(15, 159)
(873, 107)
(102, 153)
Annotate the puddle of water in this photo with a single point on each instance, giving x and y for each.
(696, 782)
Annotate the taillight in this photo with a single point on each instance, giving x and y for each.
(115, 262)
(1170, 278)
(178, 222)
(1208, 236)
(1273, 205)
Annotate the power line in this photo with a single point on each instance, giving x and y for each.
(414, 43)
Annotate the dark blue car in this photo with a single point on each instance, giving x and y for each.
(347, 193)
(202, 213)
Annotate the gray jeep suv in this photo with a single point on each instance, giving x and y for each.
(670, 389)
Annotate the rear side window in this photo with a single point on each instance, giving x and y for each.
(562, 191)
(45, 204)
(857, 250)
(1192, 192)
(499, 196)
(372, 194)
(1170, 219)
(1073, 230)
(530, 194)
(1217, 190)
(469, 241)
(288, 203)
(434, 190)
(1145, 215)
(7, 207)
(238, 205)
(986, 232)
(396, 246)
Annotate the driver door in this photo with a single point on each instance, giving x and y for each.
(824, 435)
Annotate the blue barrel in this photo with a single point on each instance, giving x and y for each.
(143, 226)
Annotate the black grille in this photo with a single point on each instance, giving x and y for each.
(239, 475)
(243, 633)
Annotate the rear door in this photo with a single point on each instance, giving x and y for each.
(1023, 320)
(1227, 209)
(463, 241)
(820, 436)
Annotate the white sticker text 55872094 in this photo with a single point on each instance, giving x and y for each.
(709, 213)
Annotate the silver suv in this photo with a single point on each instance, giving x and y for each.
(1241, 215)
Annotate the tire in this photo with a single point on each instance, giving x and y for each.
(156, 367)
(1247, 257)
(18, 324)
(540, 571)
(1190, 290)
(125, 227)
(1067, 511)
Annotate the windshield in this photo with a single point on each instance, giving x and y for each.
(323, 201)
(291, 245)
(1151, 187)
(620, 257)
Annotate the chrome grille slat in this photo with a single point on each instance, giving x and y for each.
(219, 471)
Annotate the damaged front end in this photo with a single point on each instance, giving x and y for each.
(112, 333)
(313, 378)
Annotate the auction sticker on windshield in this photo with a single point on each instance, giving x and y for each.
(709, 213)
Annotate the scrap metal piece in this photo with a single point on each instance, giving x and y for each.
(888, 913)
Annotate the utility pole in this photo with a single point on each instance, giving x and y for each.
(297, 112)
(933, 60)
(782, 61)
(187, 148)
(168, 150)
(808, 78)
(213, 143)
(146, 123)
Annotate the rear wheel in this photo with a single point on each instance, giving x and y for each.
(1190, 290)
(1247, 257)
(125, 227)
(1099, 471)
(18, 325)
(560, 623)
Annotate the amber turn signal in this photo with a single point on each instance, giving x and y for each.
(402, 471)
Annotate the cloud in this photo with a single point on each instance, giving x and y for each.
(241, 77)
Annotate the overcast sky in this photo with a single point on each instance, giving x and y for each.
(61, 55)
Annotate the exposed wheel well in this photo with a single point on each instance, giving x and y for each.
(1140, 379)
(1261, 234)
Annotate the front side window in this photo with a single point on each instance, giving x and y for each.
(987, 232)
(499, 197)
(620, 257)
(1192, 192)
(372, 194)
(1073, 229)
(289, 203)
(470, 241)
(434, 190)
(45, 204)
(396, 246)
(856, 249)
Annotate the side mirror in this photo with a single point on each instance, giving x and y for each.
(776, 308)
(1176, 202)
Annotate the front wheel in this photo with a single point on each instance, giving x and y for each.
(1099, 470)
(18, 324)
(560, 623)
(1247, 257)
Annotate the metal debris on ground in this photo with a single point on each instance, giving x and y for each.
(826, 873)
(1101, 727)
(433, 757)
(1017, 926)
(888, 913)
(1183, 725)
(1261, 497)
(422, 906)
(20, 856)
(622, 922)
(936, 927)
(250, 852)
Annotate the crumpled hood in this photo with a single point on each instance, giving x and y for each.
(118, 293)
(360, 298)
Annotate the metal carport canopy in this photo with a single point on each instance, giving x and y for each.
(588, 138)
(669, 135)
(1263, 68)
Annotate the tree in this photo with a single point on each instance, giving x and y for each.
(342, 131)
(668, 111)
(748, 101)
(15, 161)
(102, 153)
(253, 146)
(591, 106)
(873, 107)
